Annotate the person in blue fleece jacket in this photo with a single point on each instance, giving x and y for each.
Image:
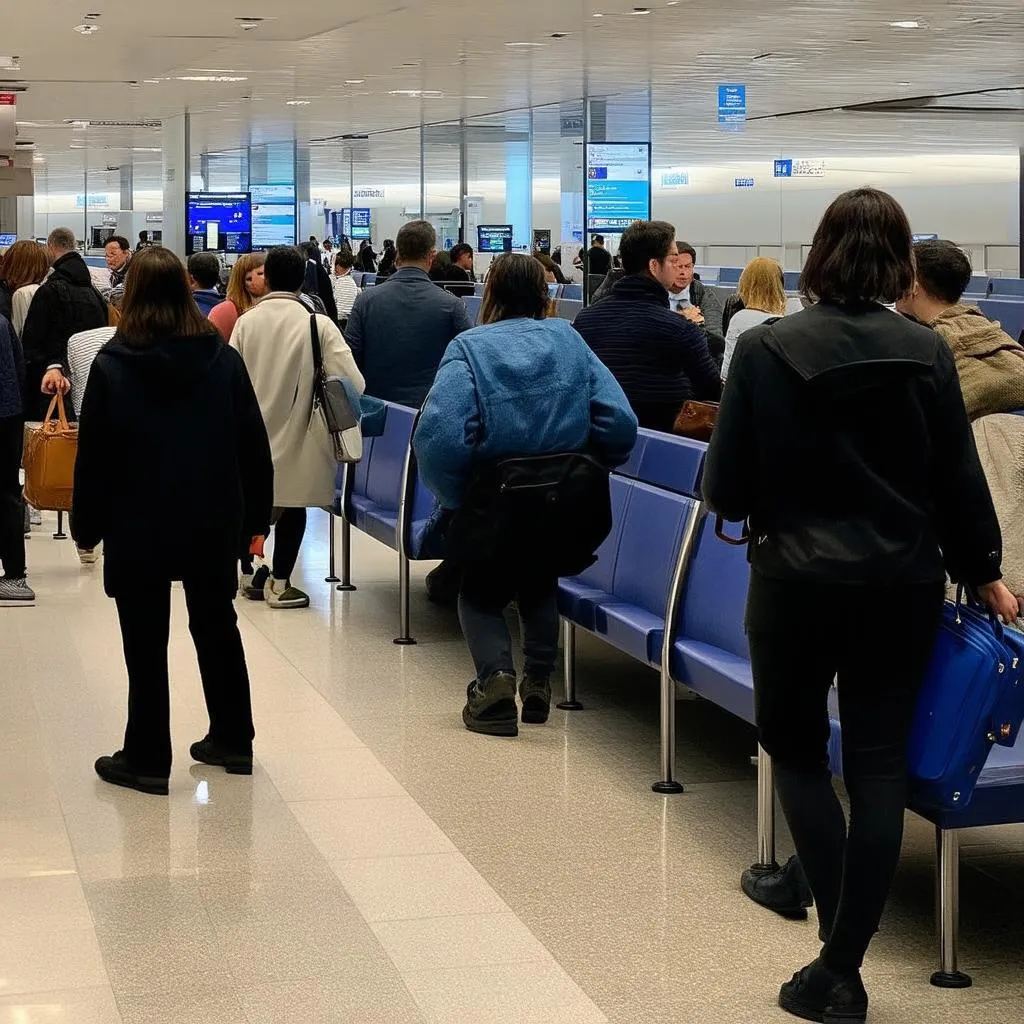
(519, 386)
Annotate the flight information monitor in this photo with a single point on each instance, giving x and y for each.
(7, 240)
(494, 238)
(618, 185)
(273, 215)
(218, 222)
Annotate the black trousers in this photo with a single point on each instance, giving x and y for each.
(145, 617)
(289, 530)
(12, 510)
(877, 644)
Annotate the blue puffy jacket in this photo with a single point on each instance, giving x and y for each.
(518, 388)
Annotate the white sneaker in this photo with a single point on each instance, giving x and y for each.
(88, 556)
(281, 594)
(35, 517)
(16, 593)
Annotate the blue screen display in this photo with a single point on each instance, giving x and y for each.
(618, 188)
(219, 222)
(494, 238)
(7, 240)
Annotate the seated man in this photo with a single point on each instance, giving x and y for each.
(399, 331)
(660, 358)
(204, 276)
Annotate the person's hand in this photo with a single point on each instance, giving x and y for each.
(693, 314)
(53, 382)
(1000, 600)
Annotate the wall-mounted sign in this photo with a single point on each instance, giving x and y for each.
(618, 185)
(674, 179)
(368, 193)
(744, 182)
(571, 126)
(154, 218)
(109, 220)
(96, 201)
(799, 168)
(732, 106)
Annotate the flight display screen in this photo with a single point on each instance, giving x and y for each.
(219, 222)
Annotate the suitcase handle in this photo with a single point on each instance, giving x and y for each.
(997, 626)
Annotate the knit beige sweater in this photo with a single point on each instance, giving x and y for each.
(989, 361)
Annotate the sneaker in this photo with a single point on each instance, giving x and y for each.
(281, 594)
(116, 770)
(784, 890)
(491, 707)
(35, 517)
(207, 752)
(251, 585)
(821, 994)
(535, 695)
(16, 593)
(88, 556)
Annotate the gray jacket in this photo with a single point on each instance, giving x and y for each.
(398, 332)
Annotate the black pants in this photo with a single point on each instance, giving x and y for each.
(878, 643)
(487, 589)
(289, 530)
(657, 415)
(12, 510)
(145, 626)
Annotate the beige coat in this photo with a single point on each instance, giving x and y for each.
(1001, 447)
(273, 339)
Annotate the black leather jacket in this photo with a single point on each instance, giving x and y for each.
(843, 438)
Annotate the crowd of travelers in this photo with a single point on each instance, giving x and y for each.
(866, 439)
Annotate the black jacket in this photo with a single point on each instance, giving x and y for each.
(318, 282)
(657, 356)
(843, 437)
(65, 304)
(174, 468)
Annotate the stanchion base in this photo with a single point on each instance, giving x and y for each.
(569, 705)
(954, 979)
(332, 579)
(668, 788)
(345, 587)
(404, 641)
(60, 536)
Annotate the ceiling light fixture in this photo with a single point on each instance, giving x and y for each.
(525, 45)
(640, 10)
(905, 24)
(426, 94)
(354, 81)
(211, 78)
(87, 30)
(297, 103)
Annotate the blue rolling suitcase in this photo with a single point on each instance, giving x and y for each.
(972, 698)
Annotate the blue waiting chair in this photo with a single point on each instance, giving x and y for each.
(568, 308)
(729, 275)
(1009, 313)
(1006, 288)
(572, 291)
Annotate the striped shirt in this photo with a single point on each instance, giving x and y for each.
(82, 349)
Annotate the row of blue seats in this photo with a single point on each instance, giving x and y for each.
(1008, 313)
(566, 309)
(661, 564)
(981, 286)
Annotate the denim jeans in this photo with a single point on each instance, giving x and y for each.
(487, 589)
(876, 643)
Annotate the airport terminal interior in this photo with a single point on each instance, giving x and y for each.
(382, 864)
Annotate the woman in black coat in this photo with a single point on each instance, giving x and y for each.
(843, 438)
(173, 471)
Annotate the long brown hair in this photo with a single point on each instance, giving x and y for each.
(515, 288)
(26, 262)
(237, 291)
(763, 286)
(157, 301)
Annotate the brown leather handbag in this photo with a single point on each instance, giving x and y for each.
(49, 460)
(696, 420)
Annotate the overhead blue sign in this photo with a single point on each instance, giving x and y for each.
(732, 105)
(783, 168)
(744, 182)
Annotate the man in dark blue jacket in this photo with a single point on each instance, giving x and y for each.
(659, 358)
(399, 331)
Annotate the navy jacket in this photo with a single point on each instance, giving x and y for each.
(398, 332)
(659, 357)
(206, 299)
(12, 371)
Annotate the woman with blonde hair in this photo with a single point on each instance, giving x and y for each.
(245, 288)
(762, 290)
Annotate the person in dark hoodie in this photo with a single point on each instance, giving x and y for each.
(318, 281)
(855, 517)
(170, 419)
(203, 278)
(14, 589)
(65, 304)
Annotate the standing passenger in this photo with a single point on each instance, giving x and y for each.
(276, 343)
(762, 290)
(855, 518)
(246, 286)
(170, 424)
(520, 385)
(14, 589)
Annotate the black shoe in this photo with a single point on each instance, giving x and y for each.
(207, 752)
(443, 585)
(784, 890)
(821, 994)
(252, 587)
(116, 770)
(491, 707)
(535, 695)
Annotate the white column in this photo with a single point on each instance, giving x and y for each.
(176, 170)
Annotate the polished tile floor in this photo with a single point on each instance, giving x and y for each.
(384, 865)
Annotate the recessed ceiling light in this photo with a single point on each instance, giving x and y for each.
(903, 84)
(904, 24)
(526, 45)
(640, 10)
(297, 103)
(211, 78)
(597, 15)
(87, 30)
(427, 94)
(354, 81)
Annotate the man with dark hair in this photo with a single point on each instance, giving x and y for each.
(399, 330)
(203, 277)
(275, 341)
(118, 254)
(989, 361)
(318, 282)
(660, 358)
(65, 304)
(597, 260)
